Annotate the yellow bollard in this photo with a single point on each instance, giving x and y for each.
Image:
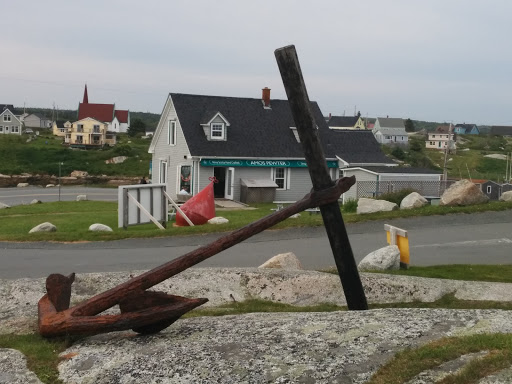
(397, 236)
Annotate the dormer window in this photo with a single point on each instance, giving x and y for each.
(217, 131)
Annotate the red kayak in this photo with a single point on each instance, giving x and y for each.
(199, 209)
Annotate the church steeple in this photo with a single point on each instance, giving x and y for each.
(86, 98)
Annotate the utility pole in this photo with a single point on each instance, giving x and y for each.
(446, 150)
(59, 177)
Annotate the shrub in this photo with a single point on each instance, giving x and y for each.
(349, 206)
(123, 150)
(395, 197)
(398, 153)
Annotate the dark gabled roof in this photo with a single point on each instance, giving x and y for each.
(402, 170)
(354, 146)
(442, 129)
(467, 126)
(502, 130)
(258, 132)
(3, 107)
(342, 121)
(60, 123)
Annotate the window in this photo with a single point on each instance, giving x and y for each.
(489, 188)
(1, 128)
(80, 128)
(7, 117)
(185, 178)
(96, 129)
(79, 139)
(171, 133)
(15, 128)
(279, 175)
(217, 131)
(388, 137)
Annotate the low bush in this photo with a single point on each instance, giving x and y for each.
(349, 206)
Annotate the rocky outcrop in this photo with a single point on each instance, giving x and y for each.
(79, 174)
(14, 368)
(463, 192)
(383, 259)
(22, 185)
(44, 227)
(365, 205)
(116, 160)
(283, 261)
(35, 201)
(3, 206)
(506, 196)
(81, 198)
(100, 228)
(413, 200)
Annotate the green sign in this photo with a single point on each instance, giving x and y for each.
(261, 163)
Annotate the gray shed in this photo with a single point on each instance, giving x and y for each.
(491, 189)
(257, 190)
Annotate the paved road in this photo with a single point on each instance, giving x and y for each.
(18, 196)
(483, 238)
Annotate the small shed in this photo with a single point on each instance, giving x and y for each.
(506, 187)
(491, 189)
(257, 190)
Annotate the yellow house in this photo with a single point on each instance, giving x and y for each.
(346, 122)
(90, 132)
(60, 128)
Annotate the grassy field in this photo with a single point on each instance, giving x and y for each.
(73, 219)
(44, 154)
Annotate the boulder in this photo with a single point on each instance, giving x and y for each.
(383, 259)
(44, 227)
(22, 185)
(3, 206)
(116, 160)
(79, 174)
(283, 261)
(413, 200)
(296, 216)
(506, 196)
(100, 228)
(81, 198)
(497, 156)
(50, 185)
(218, 220)
(370, 205)
(35, 201)
(463, 192)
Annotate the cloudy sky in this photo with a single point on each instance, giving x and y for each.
(436, 60)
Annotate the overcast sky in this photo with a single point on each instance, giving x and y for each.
(436, 60)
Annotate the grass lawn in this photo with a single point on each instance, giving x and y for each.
(74, 218)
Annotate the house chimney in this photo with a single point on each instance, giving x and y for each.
(265, 97)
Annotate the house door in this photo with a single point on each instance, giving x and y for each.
(230, 178)
(219, 188)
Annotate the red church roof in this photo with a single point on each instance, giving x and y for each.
(100, 112)
(122, 116)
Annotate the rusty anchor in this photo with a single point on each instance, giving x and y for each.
(146, 311)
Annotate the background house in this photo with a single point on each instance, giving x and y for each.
(466, 129)
(9, 122)
(390, 131)
(90, 133)
(441, 138)
(117, 120)
(37, 121)
(233, 139)
(346, 122)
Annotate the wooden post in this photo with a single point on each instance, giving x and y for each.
(300, 105)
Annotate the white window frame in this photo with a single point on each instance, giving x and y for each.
(489, 189)
(7, 117)
(1, 128)
(15, 128)
(286, 178)
(171, 132)
(219, 127)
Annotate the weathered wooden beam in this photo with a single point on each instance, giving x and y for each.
(300, 105)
